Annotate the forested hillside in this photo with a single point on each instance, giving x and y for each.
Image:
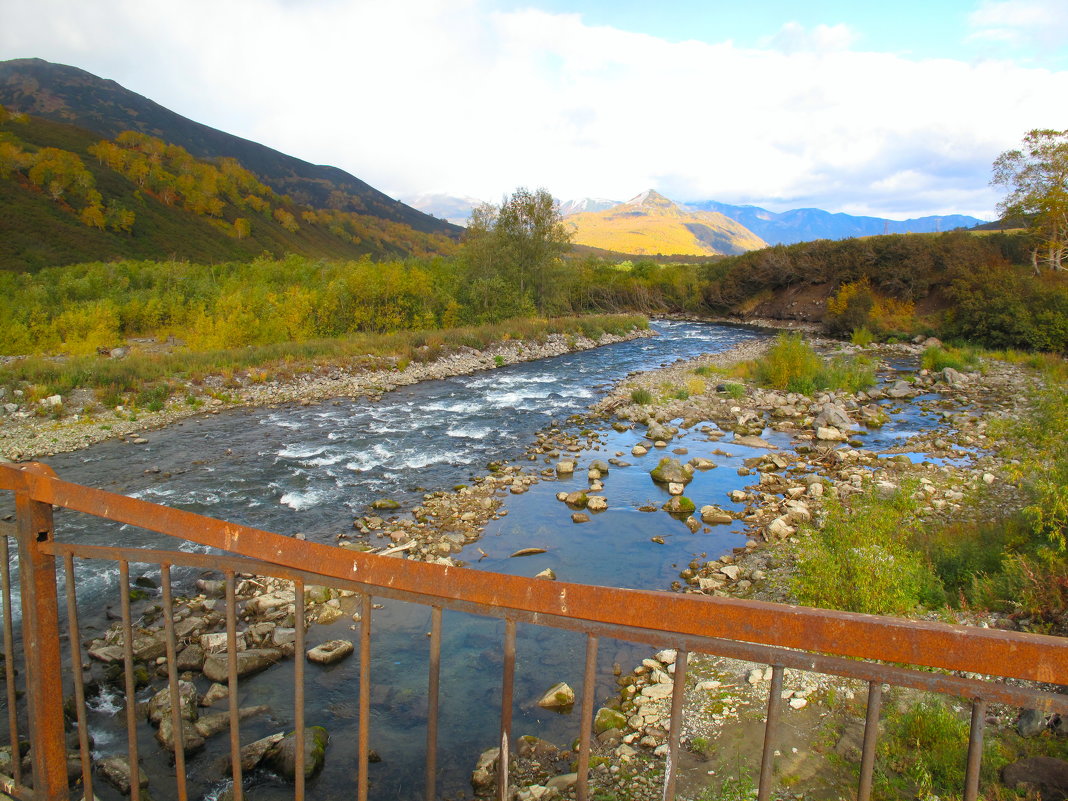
(69, 196)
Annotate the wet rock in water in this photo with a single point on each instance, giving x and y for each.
(565, 468)
(953, 378)
(577, 499)
(639, 450)
(679, 505)
(580, 517)
(216, 692)
(596, 503)
(676, 489)
(559, 697)
(830, 434)
(528, 552)
(701, 463)
(116, 771)
(191, 738)
(714, 516)
(248, 662)
(253, 753)
(693, 524)
(671, 471)
(900, 389)
(385, 503)
(546, 574)
(658, 432)
(159, 706)
(833, 416)
(282, 757)
(600, 465)
(330, 652)
(484, 776)
(752, 441)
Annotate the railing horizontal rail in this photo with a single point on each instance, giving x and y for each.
(658, 637)
(931, 644)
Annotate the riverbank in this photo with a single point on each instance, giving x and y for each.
(31, 431)
(954, 471)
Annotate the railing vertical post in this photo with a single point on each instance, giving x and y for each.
(40, 636)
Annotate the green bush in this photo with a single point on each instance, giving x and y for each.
(641, 396)
(862, 337)
(859, 561)
(938, 357)
(792, 365)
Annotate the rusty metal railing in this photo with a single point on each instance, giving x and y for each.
(870, 648)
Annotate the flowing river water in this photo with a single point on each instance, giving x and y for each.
(313, 469)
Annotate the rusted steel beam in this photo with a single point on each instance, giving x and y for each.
(40, 642)
(675, 726)
(79, 680)
(988, 651)
(299, 655)
(9, 654)
(589, 688)
(871, 738)
(178, 721)
(771, 730)
(975, 751)
(993, 692)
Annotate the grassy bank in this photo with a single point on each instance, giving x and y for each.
(146, 378)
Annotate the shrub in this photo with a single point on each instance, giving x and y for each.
(859, 561)
(938, 357)
(641, 396)
(792, 365)
(862, 337)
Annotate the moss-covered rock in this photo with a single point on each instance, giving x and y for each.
(282, 758)
(608, 719)
(672, 471)
(680, 505)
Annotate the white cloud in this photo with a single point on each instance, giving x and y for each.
(1022, 23)
(453, 96)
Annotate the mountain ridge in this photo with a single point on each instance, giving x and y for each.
(67, 94)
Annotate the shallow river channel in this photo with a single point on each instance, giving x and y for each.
(313, 469)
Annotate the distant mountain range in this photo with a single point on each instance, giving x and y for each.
(804, 225)
(650, 224)
(71, 95)
(775, 228)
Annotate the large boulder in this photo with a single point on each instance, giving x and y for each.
(484, 776)
(672, 471)
(159, 706)
(679, 505)
(282, 757)
(833, 415)
(608, 719)
(248, 662)
(116, 771)
(658, 432)
(560, 697)
(714, 516)
(1047, 775)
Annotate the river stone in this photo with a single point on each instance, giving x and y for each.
(834, 416)
(253, 753)
(116, 771)
(671, 471)
(608, 719)
(530, 746)
(679, 505)
(546, 574)
(385, 503)
(715, 516)
(330, 652)
(596, 503)
(658, 432)
(953, 378)
(565, 468)
(484, 776)
(578, 499)
(216, 642)
(191, 658)
(658, 691)
(159, 706)
(830, 434)
(580, 517)
(701, 463)
(751, 441)
(900, 389)
(676, 489)
(216, 692)
(563, 783)
(191, 738)
(639, 450)
(600, 465)
(282, 757)
(731, 571)
(780, 528)
(559, 697)
(248, 662)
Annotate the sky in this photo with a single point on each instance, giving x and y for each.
(890, 109)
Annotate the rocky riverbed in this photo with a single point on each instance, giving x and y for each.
(57, 424)
(818, 451)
